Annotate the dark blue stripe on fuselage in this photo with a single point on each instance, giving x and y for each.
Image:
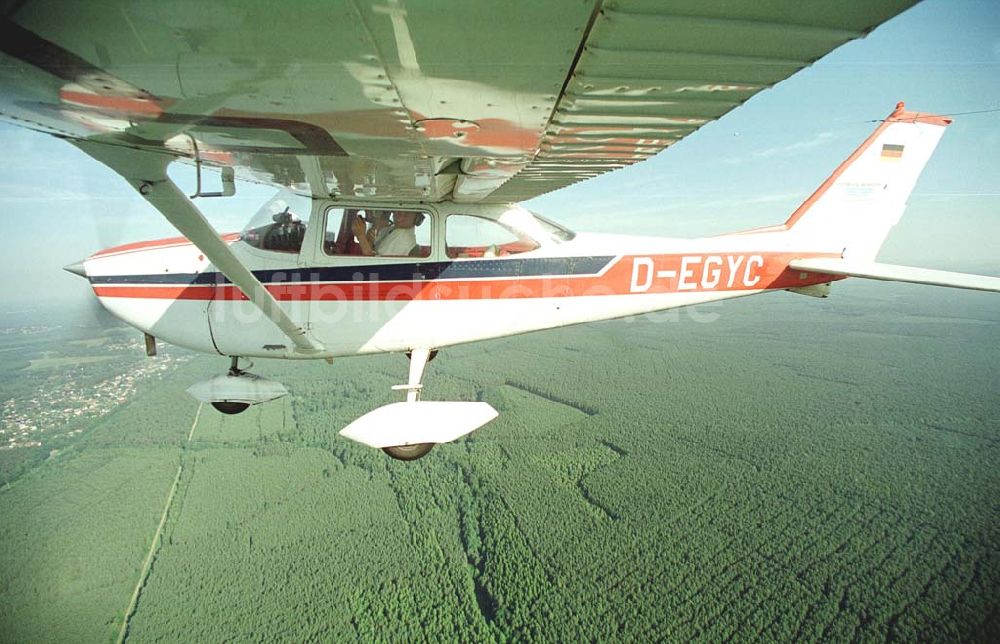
(420, 271)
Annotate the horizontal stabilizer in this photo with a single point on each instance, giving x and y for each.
(895, 273)
(422, 421)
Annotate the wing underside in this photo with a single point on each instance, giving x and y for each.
(405, 100)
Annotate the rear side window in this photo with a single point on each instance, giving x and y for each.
(469, 236)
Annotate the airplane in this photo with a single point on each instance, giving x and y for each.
(412, 130)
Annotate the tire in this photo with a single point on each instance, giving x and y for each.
(230, 407)
(408, 452)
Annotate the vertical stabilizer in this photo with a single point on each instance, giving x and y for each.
(854, 209)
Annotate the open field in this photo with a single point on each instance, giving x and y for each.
(821, 470)
(60, 362)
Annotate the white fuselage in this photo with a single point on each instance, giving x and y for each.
(358, 305)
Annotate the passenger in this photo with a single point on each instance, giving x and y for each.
(399, 240)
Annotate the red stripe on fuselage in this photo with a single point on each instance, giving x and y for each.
(641, 274)
(158, 292)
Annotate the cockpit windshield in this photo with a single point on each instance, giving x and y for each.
(280, 224)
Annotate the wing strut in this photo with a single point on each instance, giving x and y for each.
(146, 171)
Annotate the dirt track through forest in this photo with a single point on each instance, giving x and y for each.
(134, 601)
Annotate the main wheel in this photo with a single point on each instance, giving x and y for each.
(229, 407)
(408, 452)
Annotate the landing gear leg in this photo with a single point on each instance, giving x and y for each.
(418, 360)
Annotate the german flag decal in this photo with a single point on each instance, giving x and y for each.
(892, 152)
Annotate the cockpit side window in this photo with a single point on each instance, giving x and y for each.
(377, 232)
(469, 236)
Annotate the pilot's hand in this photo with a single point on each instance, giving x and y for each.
(358, 227)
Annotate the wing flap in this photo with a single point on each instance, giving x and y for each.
(897, 273)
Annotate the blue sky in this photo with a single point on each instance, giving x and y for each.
(751, 168)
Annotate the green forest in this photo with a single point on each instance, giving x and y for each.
(772, 469)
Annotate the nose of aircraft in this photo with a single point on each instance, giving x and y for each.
(77, 268)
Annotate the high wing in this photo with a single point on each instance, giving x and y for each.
(406, 100)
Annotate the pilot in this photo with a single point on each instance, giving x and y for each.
(285, 234)
(399, 240)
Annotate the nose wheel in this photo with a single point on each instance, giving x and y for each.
(232, 407)
(229, 407)
(408, 452)
(236, 391)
